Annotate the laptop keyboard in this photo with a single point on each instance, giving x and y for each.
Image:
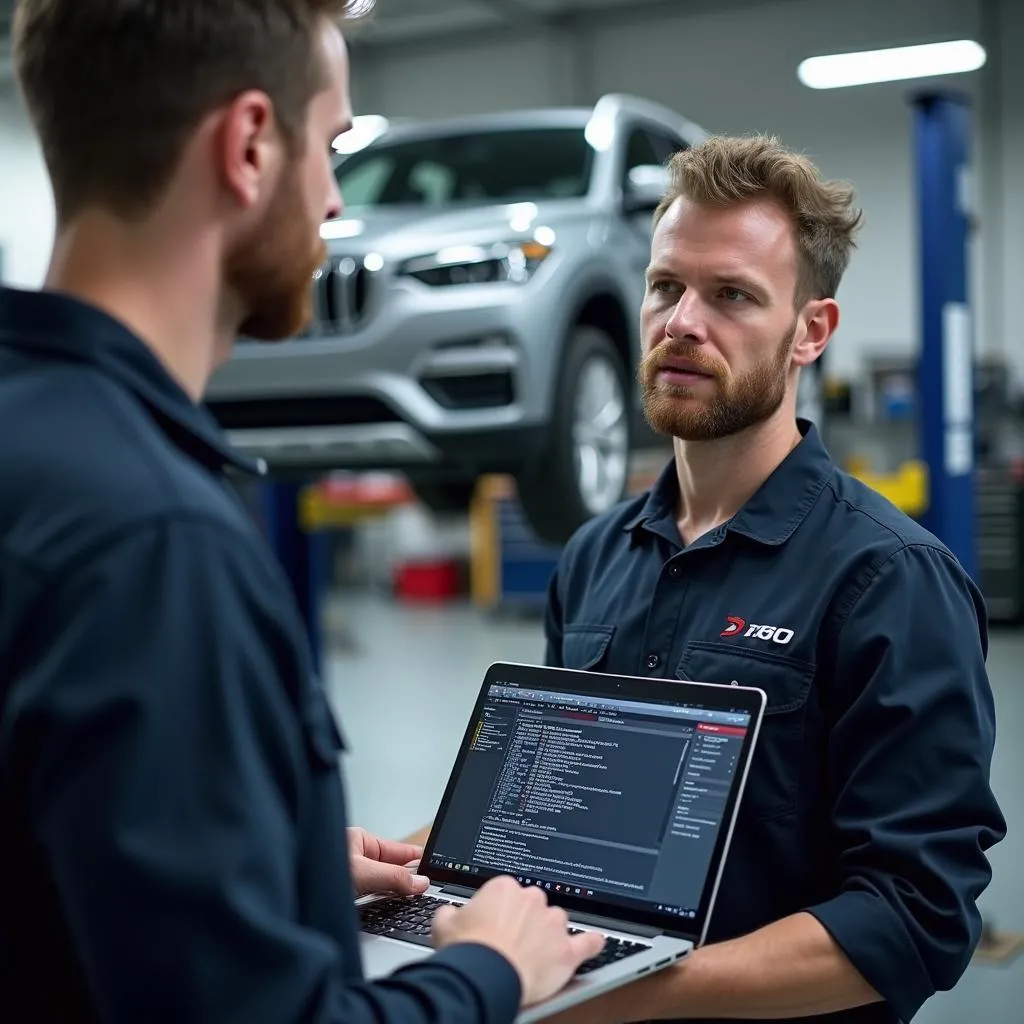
(409, 919)
(401, 917)
(614, 950)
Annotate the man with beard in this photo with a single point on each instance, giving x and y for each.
(850, 890)
(174, 841)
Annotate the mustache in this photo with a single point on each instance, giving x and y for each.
(667, 353)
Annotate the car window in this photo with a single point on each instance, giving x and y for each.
(640, 151)
(434, 182)
(366, 181)
(646, 147)
(497, 166)
(666, 146)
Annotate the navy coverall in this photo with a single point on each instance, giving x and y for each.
(173, 829)
(868, 801)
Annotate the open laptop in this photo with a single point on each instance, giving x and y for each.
(616, 795)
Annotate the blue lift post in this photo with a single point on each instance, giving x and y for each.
(303, 556)
(942, 135)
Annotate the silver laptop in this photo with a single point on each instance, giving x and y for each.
(616, 795)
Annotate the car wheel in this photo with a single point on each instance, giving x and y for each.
(585, 469)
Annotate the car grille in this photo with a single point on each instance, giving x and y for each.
(341, 297)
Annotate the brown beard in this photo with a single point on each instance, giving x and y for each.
(272, 268)
(736, 405)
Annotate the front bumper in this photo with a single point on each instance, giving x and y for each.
(432, 377)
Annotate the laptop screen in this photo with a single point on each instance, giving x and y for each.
(607, 797)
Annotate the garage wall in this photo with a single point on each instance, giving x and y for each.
(26, 208)
(731, 68)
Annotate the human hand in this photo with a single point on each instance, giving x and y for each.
(382, 865)
(518, 923)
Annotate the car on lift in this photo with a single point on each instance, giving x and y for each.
(478, 311)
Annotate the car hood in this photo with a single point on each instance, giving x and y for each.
(411, 230)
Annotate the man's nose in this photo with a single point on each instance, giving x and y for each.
(335, 204)
(686, 320)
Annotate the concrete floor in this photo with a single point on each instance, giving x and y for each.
(403, 681)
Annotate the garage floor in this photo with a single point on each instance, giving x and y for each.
(403, 681)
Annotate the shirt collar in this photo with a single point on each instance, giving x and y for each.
(772, 514)
(69, 329)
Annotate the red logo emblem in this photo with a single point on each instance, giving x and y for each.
(735, 627)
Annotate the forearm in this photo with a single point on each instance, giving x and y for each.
(792, 968)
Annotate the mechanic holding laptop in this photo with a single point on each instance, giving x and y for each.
(859, 853)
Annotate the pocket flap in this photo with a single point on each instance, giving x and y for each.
(786, 681)
(584, 647)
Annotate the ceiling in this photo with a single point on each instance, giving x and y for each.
(407, 20)
(394, 21)
(397, 22)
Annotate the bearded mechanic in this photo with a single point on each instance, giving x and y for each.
(850, 890)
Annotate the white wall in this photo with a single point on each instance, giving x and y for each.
(26, 204)
(731, 68)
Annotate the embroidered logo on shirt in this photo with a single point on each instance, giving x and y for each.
(739, 627)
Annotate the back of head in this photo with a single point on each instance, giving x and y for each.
(115, 88)
(730, 171)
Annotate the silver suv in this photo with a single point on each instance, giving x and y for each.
(478, 312)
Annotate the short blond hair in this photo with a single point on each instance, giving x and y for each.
(728, 171)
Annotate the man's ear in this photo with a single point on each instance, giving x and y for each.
(820, 317)
(248, 147)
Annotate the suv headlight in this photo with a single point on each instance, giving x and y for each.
(514, 262)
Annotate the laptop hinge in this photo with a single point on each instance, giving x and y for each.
(611, 924)
(458, 890)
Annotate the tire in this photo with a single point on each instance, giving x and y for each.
(552, 493)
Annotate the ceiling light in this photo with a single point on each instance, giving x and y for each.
(896, 64)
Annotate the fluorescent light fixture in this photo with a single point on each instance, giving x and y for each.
(895, 64)
(365, 129)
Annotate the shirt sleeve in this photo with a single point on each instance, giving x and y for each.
(909, 768)
(553, 625)
(167, 781)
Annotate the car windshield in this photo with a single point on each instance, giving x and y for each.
(495, 166)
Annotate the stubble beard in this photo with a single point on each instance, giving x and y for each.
(271, 269)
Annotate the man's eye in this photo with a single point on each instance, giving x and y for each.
(734, 294)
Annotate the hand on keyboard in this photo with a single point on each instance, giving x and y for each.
(519, 924)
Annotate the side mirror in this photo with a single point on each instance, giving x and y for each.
(645, 186)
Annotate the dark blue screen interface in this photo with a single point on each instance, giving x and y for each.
(600, 797)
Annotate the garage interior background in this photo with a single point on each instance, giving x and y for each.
(731, 67)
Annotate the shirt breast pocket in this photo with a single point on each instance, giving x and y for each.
(585, 647)
(773, 785)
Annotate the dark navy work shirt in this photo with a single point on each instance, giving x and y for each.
(868, 801)
(173, 828)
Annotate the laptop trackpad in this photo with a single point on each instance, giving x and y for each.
(382, 956)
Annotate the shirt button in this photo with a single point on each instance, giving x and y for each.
(653, 661)
(674, 570)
